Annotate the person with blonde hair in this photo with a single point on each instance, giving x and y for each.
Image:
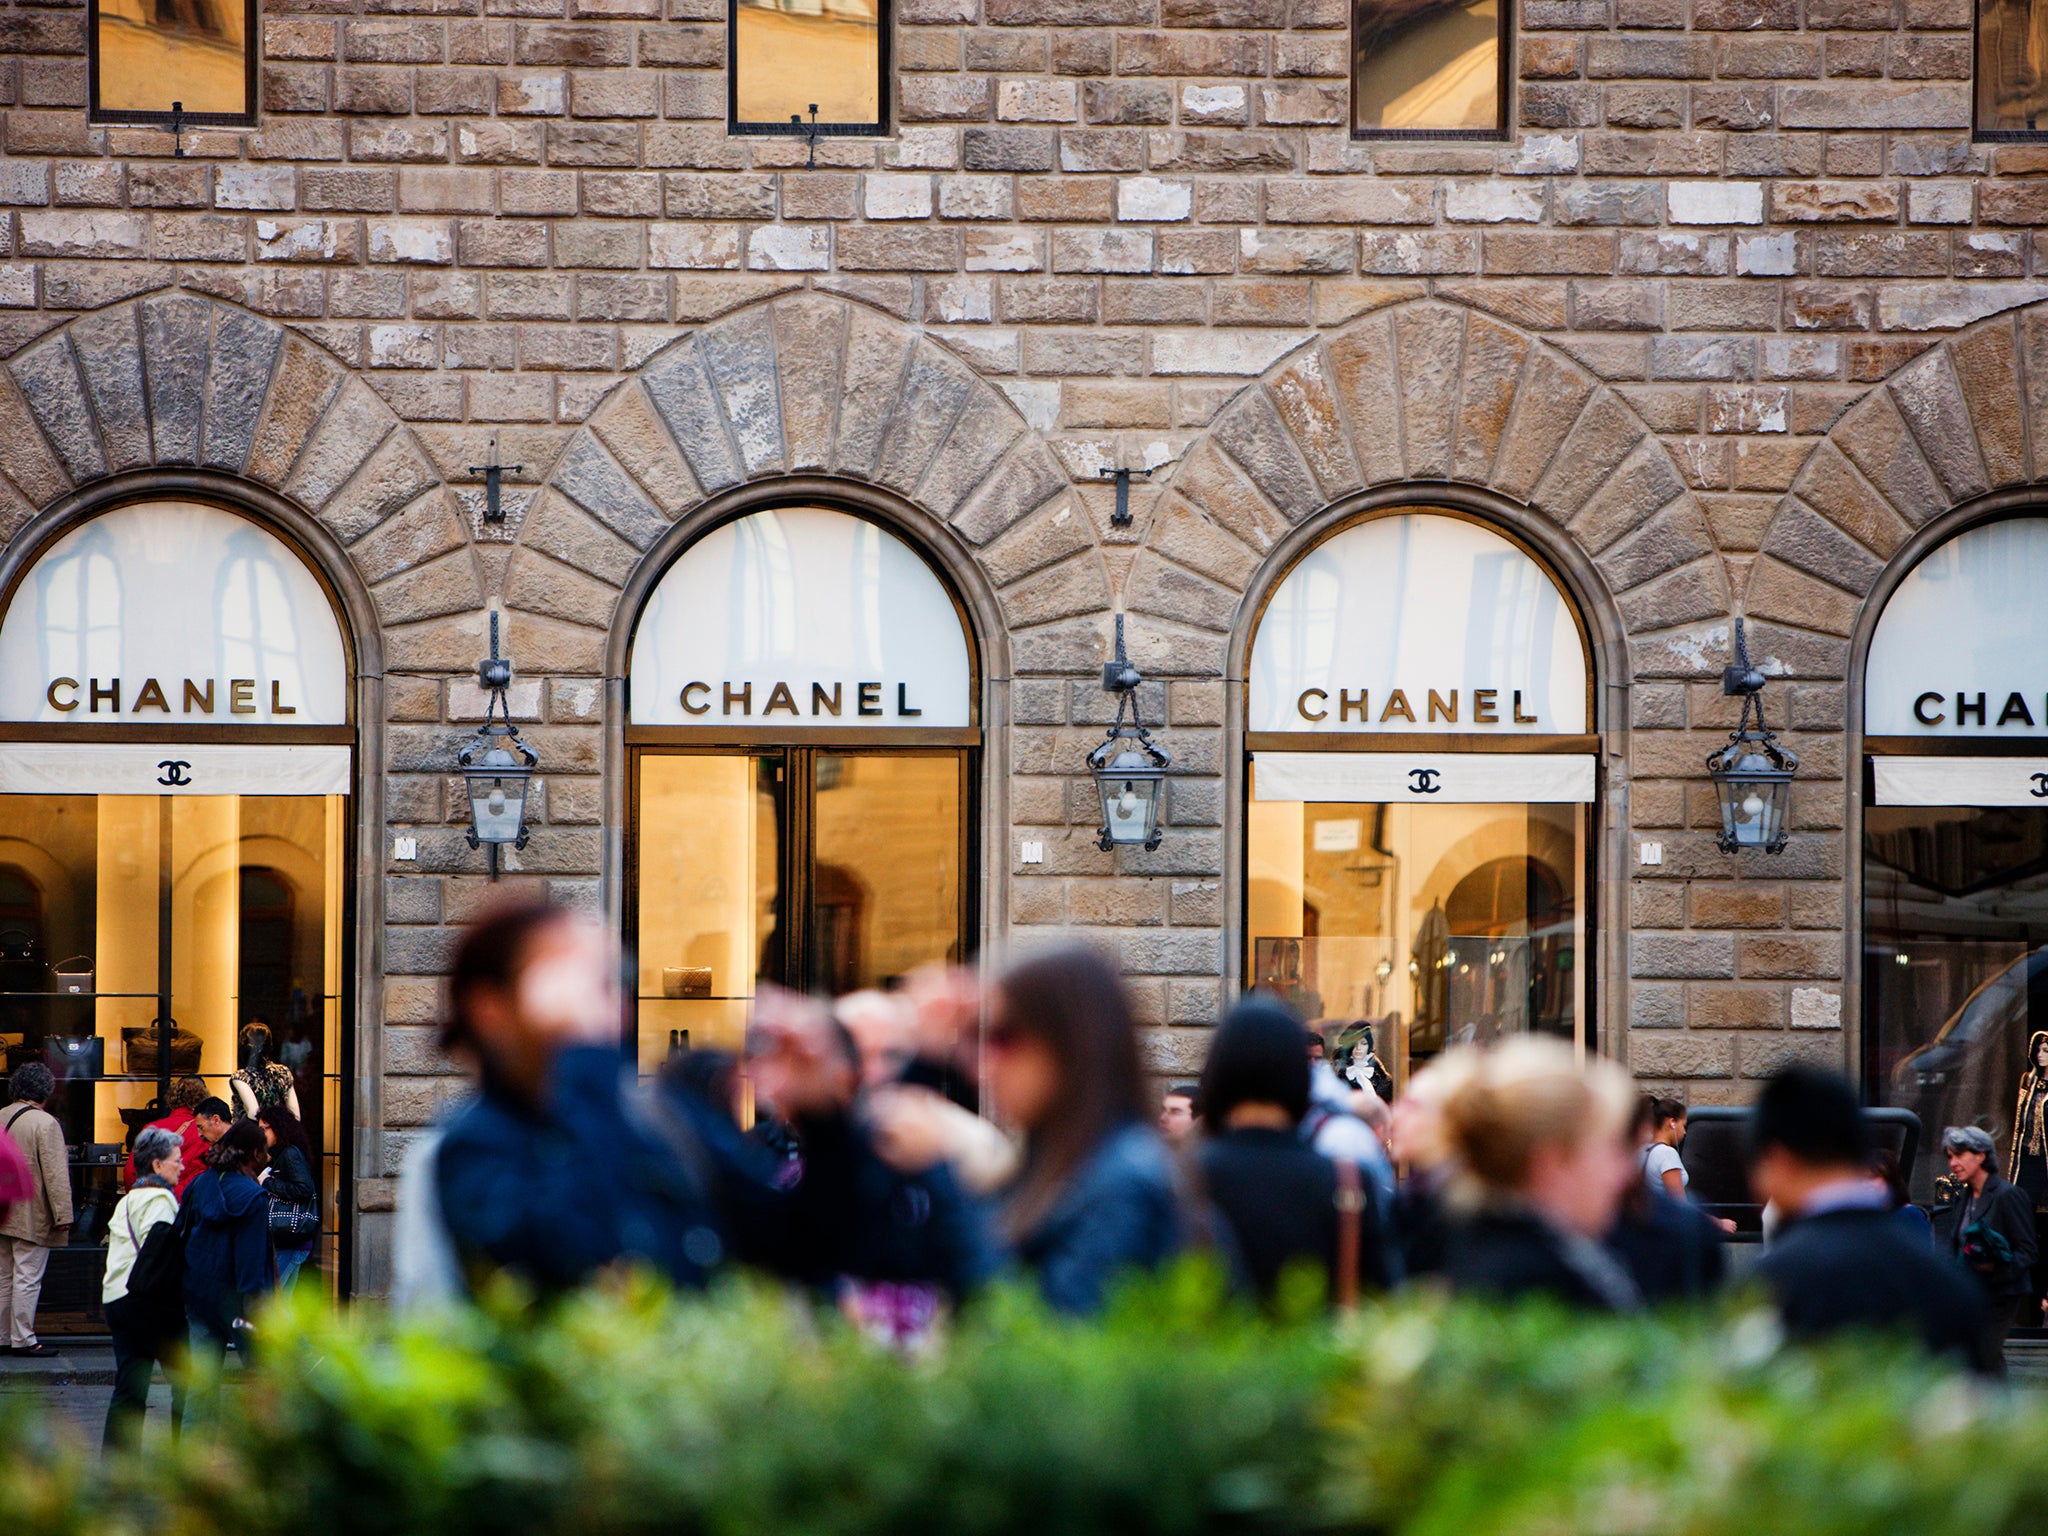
(1543, 1160)
(1415, 1136)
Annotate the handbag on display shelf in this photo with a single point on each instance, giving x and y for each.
(142, 1047)
(76, 1056)
(72, 977)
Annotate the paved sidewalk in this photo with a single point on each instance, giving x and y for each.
(83, 1362)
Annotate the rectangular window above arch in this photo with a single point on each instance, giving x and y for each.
(166, 62)
(2012, 69)
(803, 66)
(1430, 69)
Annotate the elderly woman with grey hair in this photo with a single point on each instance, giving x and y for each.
(1990, 1229)
(142, 1334)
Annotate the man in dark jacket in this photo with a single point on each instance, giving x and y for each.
(1990, 1228)
(1281, 1198)
(1841, 1261)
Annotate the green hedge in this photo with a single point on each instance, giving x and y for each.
(625, 1411)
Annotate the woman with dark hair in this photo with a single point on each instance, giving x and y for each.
(1285, 1203)
(1096, 1194)
(1671, 1249)
(228, 1259)
(289, 1183)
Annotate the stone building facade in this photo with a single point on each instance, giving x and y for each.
(1737, 319)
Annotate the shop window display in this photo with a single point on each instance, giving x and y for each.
(1402, 930)
(130, 957)
(175, 766)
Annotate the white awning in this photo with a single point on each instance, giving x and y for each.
(1961, 780)
(142, 768)
(1424, 778)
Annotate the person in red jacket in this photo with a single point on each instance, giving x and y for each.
(196, 1120)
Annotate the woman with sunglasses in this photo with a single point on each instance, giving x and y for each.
(1097, 1194)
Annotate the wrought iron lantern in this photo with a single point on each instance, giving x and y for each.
(497, 766)
(1129, 770)
(1752, 774)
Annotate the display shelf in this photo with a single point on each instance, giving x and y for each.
(662, 997)
(80, 997)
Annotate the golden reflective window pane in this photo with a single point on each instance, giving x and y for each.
(885, 891)
(1428, 64)
(149, 53)
(786, 56)
(1431, 926)
(2012, 65)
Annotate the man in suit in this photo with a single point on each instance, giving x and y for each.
(1842, 1262)
(42, 1221)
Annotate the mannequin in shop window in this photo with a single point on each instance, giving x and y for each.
(261, 1083)
(2030, 1134)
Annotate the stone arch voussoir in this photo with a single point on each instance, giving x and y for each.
(810, 384)
(176, 380)
(1965, 418)
(1424, 392)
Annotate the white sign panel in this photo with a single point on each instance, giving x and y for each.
(141, 768)
(172, 611)
(800, 616)
(1422, 624)
(1962, 647)
(1961, 780)
(1425, 778)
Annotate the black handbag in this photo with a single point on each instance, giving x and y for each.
(293, 1221)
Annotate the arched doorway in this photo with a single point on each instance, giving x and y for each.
(803, 741)
(176, 740)
(1955, 840)
(1420, 774)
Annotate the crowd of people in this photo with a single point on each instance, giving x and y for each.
(848, 1149)
(220, 1210)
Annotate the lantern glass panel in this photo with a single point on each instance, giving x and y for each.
(497, 797)
(1753, 797)
(1130, 798)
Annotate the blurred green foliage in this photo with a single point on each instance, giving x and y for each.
(623, 1410)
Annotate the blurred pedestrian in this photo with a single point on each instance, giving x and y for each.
(1096, 1196)
(17, 1181)
(1416, 1137)
(1180, 1115)
(229, 1264)
(42, 1221)
(187, 1094)
(1990, 1227)
(1543, 1161)
(1885, 1173)
(1287, 1206)
(294, 1196)
(142, 1335)
(1672, 1249)
(1840, 1261)
(565, 1165)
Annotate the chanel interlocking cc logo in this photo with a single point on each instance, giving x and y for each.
(1423, 781)
(174, 771)
(2040, 789)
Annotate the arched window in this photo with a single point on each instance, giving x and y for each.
(1955, 842)
(176, 744)
(1421, 780)
(803, 732)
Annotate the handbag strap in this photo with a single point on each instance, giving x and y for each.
(1350, 1234)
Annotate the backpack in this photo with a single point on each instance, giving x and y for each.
(156, 1284)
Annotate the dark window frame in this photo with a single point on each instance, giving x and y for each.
(252, 49)
(1979, 134)
(1504, 88)
(885, 26)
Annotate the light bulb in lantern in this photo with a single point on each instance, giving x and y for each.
(497, 802)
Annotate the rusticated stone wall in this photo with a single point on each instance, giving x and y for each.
(1736, 306)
